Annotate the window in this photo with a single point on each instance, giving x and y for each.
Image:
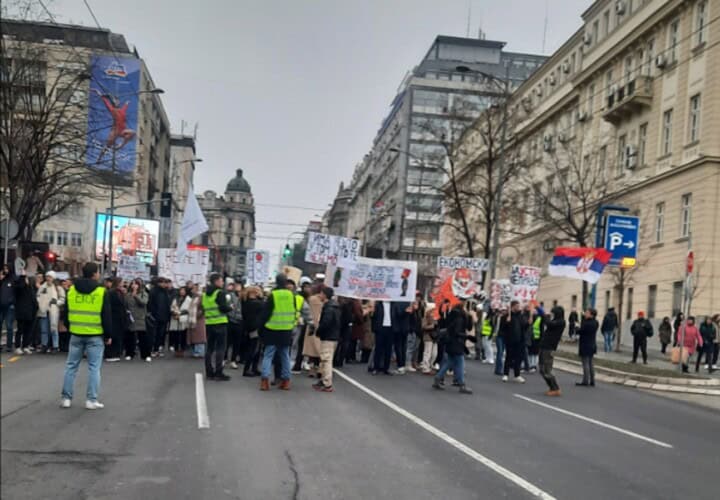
(596, 31)
(628, 313)
(628, 69)
(608, 82)
(685, 215)
(677, 293)
(667, 132)
(607, 300)
(659, 222)
(242, 242)
(228, 239)
(62, 238)
(694, 124)
(76, 239)
(652, 300)
(242, 225)
(649, 57)
(573, 302)
(700, 22)
(591, 98)
(622, 142)
(49, 237)
(673, 40)
(602, 161)
(642, 143)
(606, 23)
(230, 224)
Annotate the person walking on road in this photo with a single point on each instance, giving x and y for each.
(90, 318)
(328, 331)
(587, 346)
(50, 297)
(513, 327)
(690, 340)
(457, 325)
(609, 325)
(236, 333)
(709, 334)
(383, 325)
(279, 320)
(641, 330)
(554, 328)
(215, 309)
(665, 334)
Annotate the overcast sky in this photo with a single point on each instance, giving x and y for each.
(293, 91)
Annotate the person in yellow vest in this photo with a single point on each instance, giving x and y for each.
(215, 309)
(486, 332)
(538, 326)
(279, 319)
(90, 320)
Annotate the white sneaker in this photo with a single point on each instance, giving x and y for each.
(505, 378)
(66, 403)
(233, 365)
(19, 352)
(112, 360)
(519, 380)
(148, 359)
(436, 367)
(128, 358)
(401, 370)
(410, 369)
(715, 367)
(27, 350)
(172, 349)
(94, 405)
(305, 366)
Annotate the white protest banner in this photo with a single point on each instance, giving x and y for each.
(525, 281)
(500, 294)
(131, 267)
(193, 223)
(458, 278)
(192, 265)
(373, 279)
(326, 248)
(258, 267)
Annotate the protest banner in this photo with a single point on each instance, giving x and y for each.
(258, 267)
(292, 273)
(192, 265)
(501, 293)
(373, 279)
(525, 281)
(458, 278)
(131, 267)
(326, 248)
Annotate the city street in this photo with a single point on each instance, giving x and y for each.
(375, 437)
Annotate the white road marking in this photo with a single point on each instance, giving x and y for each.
(596, 422)
(494, 466)
(201, 403)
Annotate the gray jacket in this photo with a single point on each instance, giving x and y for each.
(235, 315)
(137, 305)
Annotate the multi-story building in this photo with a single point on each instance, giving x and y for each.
(231, 219)
(396, 195)
(66, 61)
(626, 112)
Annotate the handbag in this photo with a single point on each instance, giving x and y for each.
(675, 355)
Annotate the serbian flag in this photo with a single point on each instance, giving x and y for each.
(586, 264)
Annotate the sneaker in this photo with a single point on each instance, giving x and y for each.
(19, 352)
(112, 360)
(221, 378)
(94, 405)
(172, 349)
(401, 370)
(436, 367)
(328, 388)
(27, 350)
(465, 390)
(553, 393)
(437, 385)
(65, 403)
(519, 380)
(714, 367)
(161, 348)
(410, 369)
(148, 359)
(128, 358)
(296, 372)
(154, 355)
(233, 365)
(505, 378)
(533, 370)
(305, 366)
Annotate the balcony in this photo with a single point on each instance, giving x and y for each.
(630, 98)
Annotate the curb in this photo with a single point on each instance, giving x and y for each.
(628, 381)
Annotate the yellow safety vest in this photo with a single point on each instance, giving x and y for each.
(213, 316)
(85, 311)
(487, 328)
(536, 328)
(299, 301)
(284, 314)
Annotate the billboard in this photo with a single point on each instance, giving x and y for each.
(113, 114)
(130, 236)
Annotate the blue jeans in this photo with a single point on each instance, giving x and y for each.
(284, 354)
(608, 340)
(500, 355)
(457, 363)
(7, 316)
(79, 344)
(45, 333)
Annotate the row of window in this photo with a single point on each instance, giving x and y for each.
(651, 310)
(685, 218)
(62, 238)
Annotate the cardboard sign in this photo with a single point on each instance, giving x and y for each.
(192, 266)
(258, 267)
(525, 281)
(373, 279)
(326, 248)
(501, 293)
(131, 267)
(458, 278)
(292, 273)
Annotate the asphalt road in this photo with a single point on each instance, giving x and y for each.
(374, 437)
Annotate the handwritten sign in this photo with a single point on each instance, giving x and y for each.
(326, 248)
(258, 267)
(501, 294)
(192, 266)
(525, 281)
(131, 267)
(373, 279)
(458, 278)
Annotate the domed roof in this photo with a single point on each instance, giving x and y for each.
(238, 183)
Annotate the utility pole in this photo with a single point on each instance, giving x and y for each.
(112, 214)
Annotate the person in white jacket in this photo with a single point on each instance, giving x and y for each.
(50, 297)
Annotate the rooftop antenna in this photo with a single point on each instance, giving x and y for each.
(546, 26)
(469, 15)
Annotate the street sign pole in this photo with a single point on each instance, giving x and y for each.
(599, 237)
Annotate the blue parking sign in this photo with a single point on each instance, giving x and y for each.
(621, 237)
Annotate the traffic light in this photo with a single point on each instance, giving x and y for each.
(166, 205)
(287, 253)
(50, 257)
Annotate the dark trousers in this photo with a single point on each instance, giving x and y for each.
(130, 343)
(708, 350)
(299, 356)
(64, 341)
(235, 338)
(663, 347)
(513, 357)
(716, 354)
(141, 338)
(341, 349)
(588, 370)
(525, 358)
(24, 335)
(159, 332)
(251, 355)
(440, 353)
(215, 352)
(546, 365)
(365, 356)
(383, 349)
(400, 341)
(639, 343)
(116, 347)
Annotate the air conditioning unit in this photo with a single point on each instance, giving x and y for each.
(587, 38)
(548, 143)
(620, 7)
(630, 157)
(660, 61)
(566, 67)
(582, 116)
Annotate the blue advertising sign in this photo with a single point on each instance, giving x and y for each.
(113, 113)
(621, 238)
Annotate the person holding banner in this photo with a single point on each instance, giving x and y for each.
(383, 326)
(454, 337)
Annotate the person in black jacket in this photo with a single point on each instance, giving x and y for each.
(609, 325)
(457, 324)
(159, 314)
(252, 310)
(7, 304)
(587, 346)
(328, 331)
(26, 307)
(120, 321)
(641, 329)
(554, 327)
(382, 322)
(512, 327)
(572, 323)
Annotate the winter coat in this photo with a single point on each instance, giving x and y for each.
(120, 317)
(692, 339)
(358, 320)
(587, 345)
(428, 326)
(346, 320)
(196, 322)
(235, 315)
(137, 305)
(610, 321)
(665, 332)
(641, 328)
(26, 305)
(252, 312)
(708, 333)
(311, 345)
(159, 304)
(50, 299)
(7, 291)
(330, 322)
(513, 331)
(180, 314)
(458, 324)
(554, 329)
